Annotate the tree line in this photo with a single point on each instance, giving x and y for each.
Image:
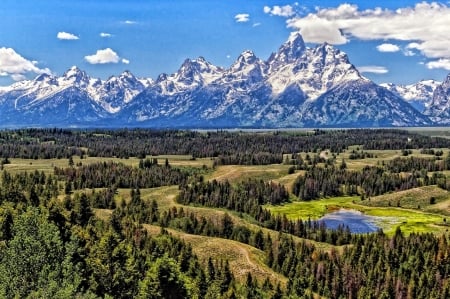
(229, 147)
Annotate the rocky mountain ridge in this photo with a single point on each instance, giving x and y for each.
(296, 86)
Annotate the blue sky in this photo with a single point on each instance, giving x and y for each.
(389, 41)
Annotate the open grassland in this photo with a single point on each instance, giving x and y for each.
(47, 165)
(242, 258)
(234, 173)
(426, 198)
(166, 199)
(412, 209)
(378, 157)
(289, 179)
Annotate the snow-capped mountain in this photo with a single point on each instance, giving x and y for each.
(419, 94)
(116, 92)
(296, 86)
(439, 107)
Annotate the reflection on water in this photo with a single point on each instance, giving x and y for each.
(355, 220)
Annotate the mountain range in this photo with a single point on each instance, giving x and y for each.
(296, 86)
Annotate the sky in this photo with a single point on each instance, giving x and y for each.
(388, 41)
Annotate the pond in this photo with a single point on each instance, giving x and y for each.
(355, 220)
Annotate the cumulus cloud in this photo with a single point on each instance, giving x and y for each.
(125, 61)
(282, 11)
(14, 65)
(103, 56)
(443, 63)
(242, 17)
(104, 34)
(388, 48)
(66, 36)
(129, 22)
(373, 69)
(425, 25)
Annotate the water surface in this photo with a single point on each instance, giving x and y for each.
(355, 220)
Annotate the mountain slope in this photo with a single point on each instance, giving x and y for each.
(439, 108)
(296, 86)
(419, 95)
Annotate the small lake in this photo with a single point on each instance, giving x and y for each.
(355, 220)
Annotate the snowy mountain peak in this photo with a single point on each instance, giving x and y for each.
(246, 67)
(197, 71)
(76, 77)
(162, 77)
(446, 82)
(439, 107)
(297, 86)
(292, 50)
(419, 94)
(43, 77)
(127, 74)
(327, 54)
(247, 57)
(244, 60)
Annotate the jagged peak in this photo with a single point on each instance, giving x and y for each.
(128, 74)
(162, 77)
(446, 81)
(75, 72)
(327, 49)
(246, 57)
(290, 51)
(44, 77)
(295, 39)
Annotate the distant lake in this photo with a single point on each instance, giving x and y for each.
(355, 220)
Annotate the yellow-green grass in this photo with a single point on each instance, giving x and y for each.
(103, 214)
(184, 160)
(289, 179)
(389, 217)
(409, 221)
(165, 197)
(242, 258)
(234, 173)
(31, 165)
(379, 155)
(415, 198)
(47, 165)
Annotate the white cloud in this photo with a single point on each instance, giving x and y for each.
(425, 24)
(388, 48)
(103, 56)
(443, 63)
(256, 24)
(125, 61)
(373, 69)
(282, 11)
(104, 34)
(66, 36)
(18, 77)
(242, 17)
(14, 65)
(129, 22)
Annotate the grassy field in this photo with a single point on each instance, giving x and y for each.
(427, 198)
(47, 165)
(242, 258)
(235, 173)
(379, 156)
(410, 210)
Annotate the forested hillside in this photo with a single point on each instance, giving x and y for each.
(133, 214)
